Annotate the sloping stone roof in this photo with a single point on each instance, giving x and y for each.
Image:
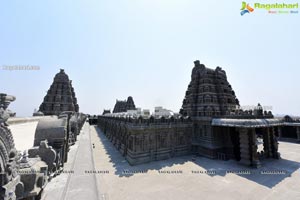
(246, 123)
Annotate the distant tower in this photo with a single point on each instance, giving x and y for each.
(60, 97)
(209, 94)
(123, 106)
(106, 112)
(130, 104)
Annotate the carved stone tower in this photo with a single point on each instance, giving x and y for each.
(123, 106)
(209, 95)
(60, 97)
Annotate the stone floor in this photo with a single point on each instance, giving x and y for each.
(192, 177)
(75, 182)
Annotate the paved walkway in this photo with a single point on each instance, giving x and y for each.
(79, 184)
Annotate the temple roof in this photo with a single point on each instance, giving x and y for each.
(291, 124)
(246, 123)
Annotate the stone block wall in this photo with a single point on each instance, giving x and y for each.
(145, 140)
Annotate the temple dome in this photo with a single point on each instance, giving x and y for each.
(61, 76)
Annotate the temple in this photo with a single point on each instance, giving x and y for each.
(124, 106)
(211, 124)
(221, 129)
(60, 97)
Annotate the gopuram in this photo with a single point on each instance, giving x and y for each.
(124, 106)
(60, 97)
(211, 124)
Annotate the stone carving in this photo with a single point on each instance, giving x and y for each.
(46, 153)
(8, 153)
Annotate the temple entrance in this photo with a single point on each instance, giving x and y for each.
(234, 136)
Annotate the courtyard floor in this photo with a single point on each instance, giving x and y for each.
(191, 177)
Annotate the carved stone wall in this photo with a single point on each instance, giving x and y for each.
(144, 140)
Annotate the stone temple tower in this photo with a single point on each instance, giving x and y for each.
(60, 97)
(209, 95)
(123, 106)
(130, 104)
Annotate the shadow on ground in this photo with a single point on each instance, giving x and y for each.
(269, 175)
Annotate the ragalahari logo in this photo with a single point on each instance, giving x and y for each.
(246, 8)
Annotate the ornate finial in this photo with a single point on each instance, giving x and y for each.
(197, 62)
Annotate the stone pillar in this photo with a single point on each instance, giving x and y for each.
(244, 146)
(253, 149)
(134, 144)
(274, 144)
(298, 133)
(279, 132)
(267, 143)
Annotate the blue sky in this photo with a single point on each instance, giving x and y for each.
(145, 48)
